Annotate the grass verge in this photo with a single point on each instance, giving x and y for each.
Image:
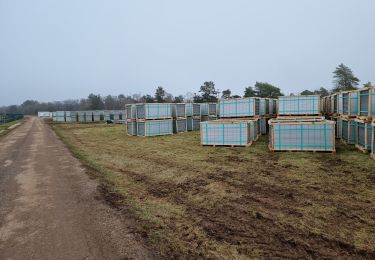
(191, 201)
(7, 127)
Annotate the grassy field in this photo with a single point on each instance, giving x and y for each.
(4, 128)
(191, 201)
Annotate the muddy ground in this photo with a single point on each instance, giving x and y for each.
(193, 201)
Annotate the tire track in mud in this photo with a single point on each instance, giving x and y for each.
(248, 222)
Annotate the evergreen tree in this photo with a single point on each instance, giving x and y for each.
(344, 79)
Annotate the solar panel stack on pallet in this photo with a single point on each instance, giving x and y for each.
(70, 116)
(180, 124)
(131, 127)
(263, 126)
(299, 126)
(251, 108)
(193, 116)
(302, 134)
(152, 119)
(59, 116)
(183, 112)
(81, 115)
(229, 132)
(209, 111)
(108, 115)
(299, 105)
(348, 131)
(364, 135)
(155, 127)
(349, 104)
(193, 123)
(131, 119)
(183, 117)
(353, 111)
(89, 116)
(338, 127)
(366, 103)
(239, 107)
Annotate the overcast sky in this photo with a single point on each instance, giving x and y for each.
(57, 50)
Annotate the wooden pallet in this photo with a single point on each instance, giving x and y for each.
(346, 142)
(361, 148)
(365, 118)
(297, 150)
(227, 145)
(154, 119)
(239, 117)
(347, 117)
(300, 115)
(155, 135)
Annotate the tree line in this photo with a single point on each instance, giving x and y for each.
(206, 93)
(343, 79)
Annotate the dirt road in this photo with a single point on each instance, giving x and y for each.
(49, 207)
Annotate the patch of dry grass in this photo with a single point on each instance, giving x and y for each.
(195, 201)
(4, 128)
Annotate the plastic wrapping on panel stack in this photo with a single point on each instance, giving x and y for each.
(256, 129)
(193, 123)
(89, 116)
(131, 125)
(338, 127)
(131, 112)
(193, 109)
(373, 139)
(326, 105)
(366, 103)
(108, 115)
(334, 104)
(364, 135)
(181, 110)
(155, 127)
(212, 109)
(227, 132)
(339, 103)
(70, 116)
(270, 107)
(152, 119)
(122, 114)
(350, 103)
(192, 116)
(323, 106)
(204, 109)
(116, 115)
(54, 116)
(60, 116)
(302, 134)
(299, 105)
(81, 116)
(348, 130)
(275, 106)
(263, 125)
(96, 116)
(181, 124)
(150, 111)
(262, 106)
(239, 107)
